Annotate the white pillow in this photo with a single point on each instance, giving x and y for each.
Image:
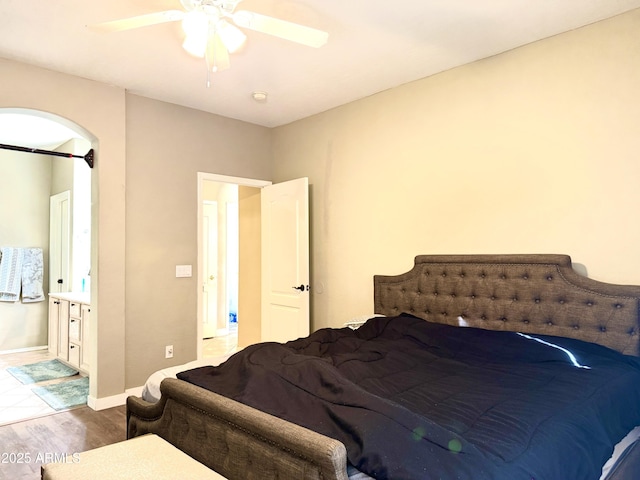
(360, 320)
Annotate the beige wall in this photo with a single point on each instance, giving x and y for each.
(532, 151)
(24, 222)
(98, 111)
(166, 146)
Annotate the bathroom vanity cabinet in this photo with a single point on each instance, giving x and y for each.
(69, 325)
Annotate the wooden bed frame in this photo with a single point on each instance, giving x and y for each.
(526, 293)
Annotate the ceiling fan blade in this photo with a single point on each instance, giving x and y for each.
(217, 54)
(280, 28)
(137, 22)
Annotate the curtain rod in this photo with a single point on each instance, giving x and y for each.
(87, 158)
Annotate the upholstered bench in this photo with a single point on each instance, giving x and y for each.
(145, 457)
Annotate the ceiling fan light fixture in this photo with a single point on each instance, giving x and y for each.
(210, 36)
(231, 36)
(195, 46)
(189, 5)
(196, 27)
(195, 22)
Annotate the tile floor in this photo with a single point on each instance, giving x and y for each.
(214, 347)
(18, 403)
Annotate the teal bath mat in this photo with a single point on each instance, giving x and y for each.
(64, 395)
(41, 371)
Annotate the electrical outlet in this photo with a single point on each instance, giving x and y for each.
(168, 351)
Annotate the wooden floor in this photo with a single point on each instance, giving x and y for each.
(24, 446)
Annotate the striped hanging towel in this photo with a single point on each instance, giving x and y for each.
(10, 273)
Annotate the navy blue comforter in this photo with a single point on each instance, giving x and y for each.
(412, 399)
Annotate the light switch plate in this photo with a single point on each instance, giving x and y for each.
(183, 271)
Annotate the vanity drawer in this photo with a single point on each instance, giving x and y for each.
(75, 329)
(74, 310)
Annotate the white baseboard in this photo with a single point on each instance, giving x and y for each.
(114, 400)
(21, 350)
(106, 402)
(135, 391)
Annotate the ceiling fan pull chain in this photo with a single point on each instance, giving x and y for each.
(206, 60)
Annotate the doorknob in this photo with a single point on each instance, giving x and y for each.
(211, 277)
(302, 288)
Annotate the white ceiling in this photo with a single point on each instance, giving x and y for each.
(373, 45)
(30, 131)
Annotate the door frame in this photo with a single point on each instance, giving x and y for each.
(213, 177)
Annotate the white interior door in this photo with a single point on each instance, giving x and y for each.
(285, 261)
(210, 269)
(59, 242)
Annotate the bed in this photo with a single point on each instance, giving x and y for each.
(471, 302)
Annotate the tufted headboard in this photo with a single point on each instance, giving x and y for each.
(525, 293)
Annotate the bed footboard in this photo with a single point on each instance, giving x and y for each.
(237, 441)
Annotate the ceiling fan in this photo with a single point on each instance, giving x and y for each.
(210, 34)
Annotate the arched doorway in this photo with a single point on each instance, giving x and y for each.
(36, 179)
